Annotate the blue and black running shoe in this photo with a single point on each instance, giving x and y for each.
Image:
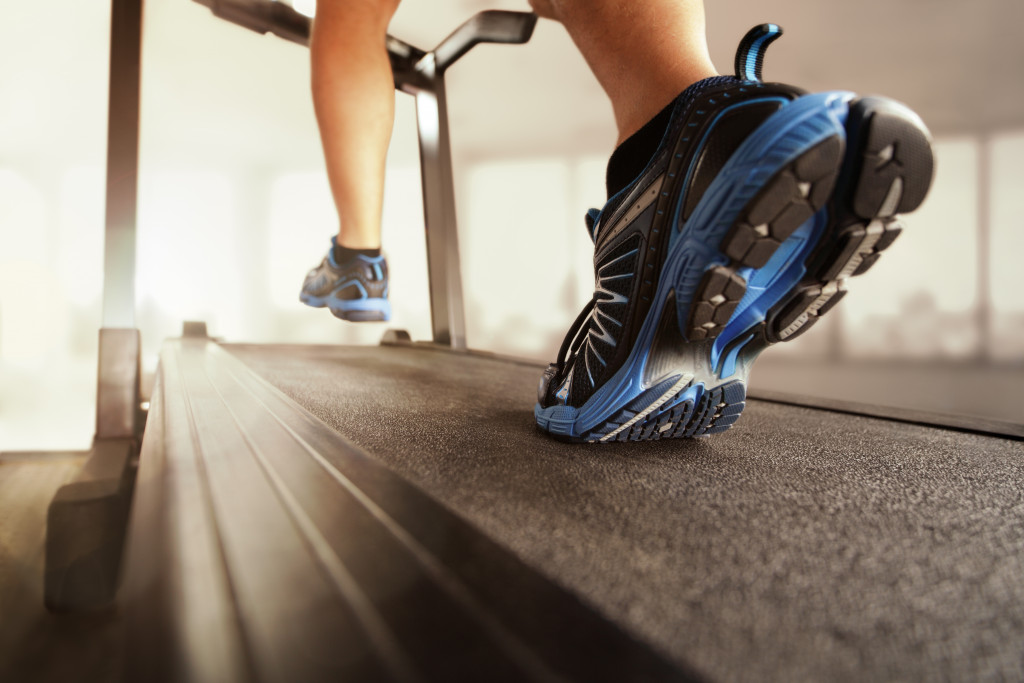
(759, 205)
(356, 290)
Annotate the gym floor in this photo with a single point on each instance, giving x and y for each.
(35, 645)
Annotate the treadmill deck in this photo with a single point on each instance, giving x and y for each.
(801, 544)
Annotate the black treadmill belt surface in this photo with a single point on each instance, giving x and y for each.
(801, 544)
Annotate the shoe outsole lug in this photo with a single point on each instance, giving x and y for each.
(785, 202)
(892, 231)
(714, 411)
(805, 307)
(718, 293)
(896, 162)
(859, 243)
(868, 261)
(776, 196)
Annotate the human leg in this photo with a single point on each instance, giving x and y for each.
(642, 53)
(353, 96)
(744, 208)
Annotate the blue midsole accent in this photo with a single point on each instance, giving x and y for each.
(798, 126)
(345, 305)
(728, 368)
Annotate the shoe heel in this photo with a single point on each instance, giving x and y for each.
(888, 170)
(892, 162)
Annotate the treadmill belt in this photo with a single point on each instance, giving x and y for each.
(801, 544)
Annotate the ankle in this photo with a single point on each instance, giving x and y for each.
(633, 154)
(636, 109)
(342, 254)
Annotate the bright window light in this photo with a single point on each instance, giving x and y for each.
(1007, 240)
(79, 249)
(509, 308)
(302, 220)
(307, 7)
(187, 247)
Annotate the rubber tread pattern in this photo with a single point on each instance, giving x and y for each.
(891, 172)
(719, 292)
(792, 196)
(895, 152)
(713, 411)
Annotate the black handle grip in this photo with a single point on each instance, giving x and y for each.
(492, 26)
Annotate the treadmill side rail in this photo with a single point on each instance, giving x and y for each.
(265, 546)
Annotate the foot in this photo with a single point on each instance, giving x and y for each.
(355, 290)
(742, 231)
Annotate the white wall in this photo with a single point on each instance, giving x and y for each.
(234, 208)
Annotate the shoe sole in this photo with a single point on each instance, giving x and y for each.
(354, 310)
(741, 280)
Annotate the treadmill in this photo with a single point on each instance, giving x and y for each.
(391, 512)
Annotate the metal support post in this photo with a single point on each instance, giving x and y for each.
(122, 164)
(86, 520)
(983, 315)
(117, 414)
(448, 318)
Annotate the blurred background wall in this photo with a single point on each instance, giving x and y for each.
(234, 207)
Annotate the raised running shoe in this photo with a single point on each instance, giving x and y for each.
(356, 290)
(759, 205)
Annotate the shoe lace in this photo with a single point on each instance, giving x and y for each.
(574, 337)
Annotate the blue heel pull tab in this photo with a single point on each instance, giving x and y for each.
(750, 53)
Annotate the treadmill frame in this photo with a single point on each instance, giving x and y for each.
(87, 518)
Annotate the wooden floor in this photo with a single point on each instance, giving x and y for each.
(34, 644)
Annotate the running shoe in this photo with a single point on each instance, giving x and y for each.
(759, 205)
(356, 290)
